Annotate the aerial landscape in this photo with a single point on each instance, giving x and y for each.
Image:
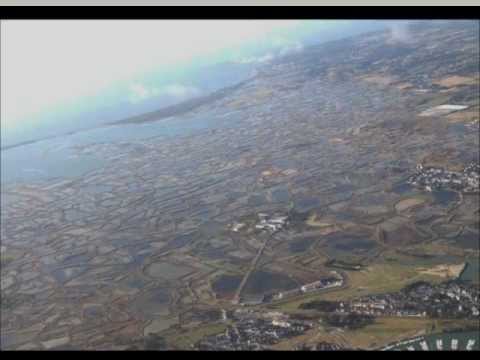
(327, 201)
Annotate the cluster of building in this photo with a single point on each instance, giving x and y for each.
(448, 300)
(336, 280)
(266, 222)
(472, 172)
(271, 223)
(236, 227)
(321, 346)
(254, 334)
(473, 125)
(430, 178)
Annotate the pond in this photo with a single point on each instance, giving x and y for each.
(471, 273)
(445, 197)
(301, 245)
(154, 302)
(401, 189)
(280, 195)
(167, 270)
(304, 204)
(263, 282)
(468, 240)
(360, 244)
(257, 200)
(179, 241)
(348, 243)
(226, 285)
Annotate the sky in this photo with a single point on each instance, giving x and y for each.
(63, 75)
(46, 64)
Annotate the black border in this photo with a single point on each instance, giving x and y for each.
(235, 13)
(238, 12)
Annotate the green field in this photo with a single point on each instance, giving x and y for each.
(186, 339)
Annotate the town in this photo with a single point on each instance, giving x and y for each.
(251, 332)
(451, 299)
(430, 179)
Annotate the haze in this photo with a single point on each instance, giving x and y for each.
(55, 71)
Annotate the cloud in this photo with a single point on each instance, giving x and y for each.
(258, 59)
(140, 92)
(53, 64)
(286, 46)
(282, 47)
(294, 47)
(399, 33)
(179, 90)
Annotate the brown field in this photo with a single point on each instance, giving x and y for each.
(450, 81)
(336, 140)
(315, 222)
(445, 158)
(379, 79)
(445, 271)
(462, 116)
(406, 204)
(404, 86)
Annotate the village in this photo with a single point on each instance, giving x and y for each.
(447, 300)
(433, 179)
(251, 332)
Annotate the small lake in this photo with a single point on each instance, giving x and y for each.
(445, 197)
(341, 243)
(304, 204)
(280, 195)
(262, 282)
(226, 285)
(401, 189)
(153, 302)
(301, 245)
(468, 240)
(471, 272)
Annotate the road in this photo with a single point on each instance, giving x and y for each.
(253, 265)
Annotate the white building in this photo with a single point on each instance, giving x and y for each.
(470, 344)
(454, 344)
(439, 343)
(237, 226)
(424, 345)
(280, 323)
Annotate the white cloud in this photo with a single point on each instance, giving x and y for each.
(179, 90)
(48, 63)
(294, 47)
(140, 92)
(259, 59)
(284, 47)
(400, 33)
